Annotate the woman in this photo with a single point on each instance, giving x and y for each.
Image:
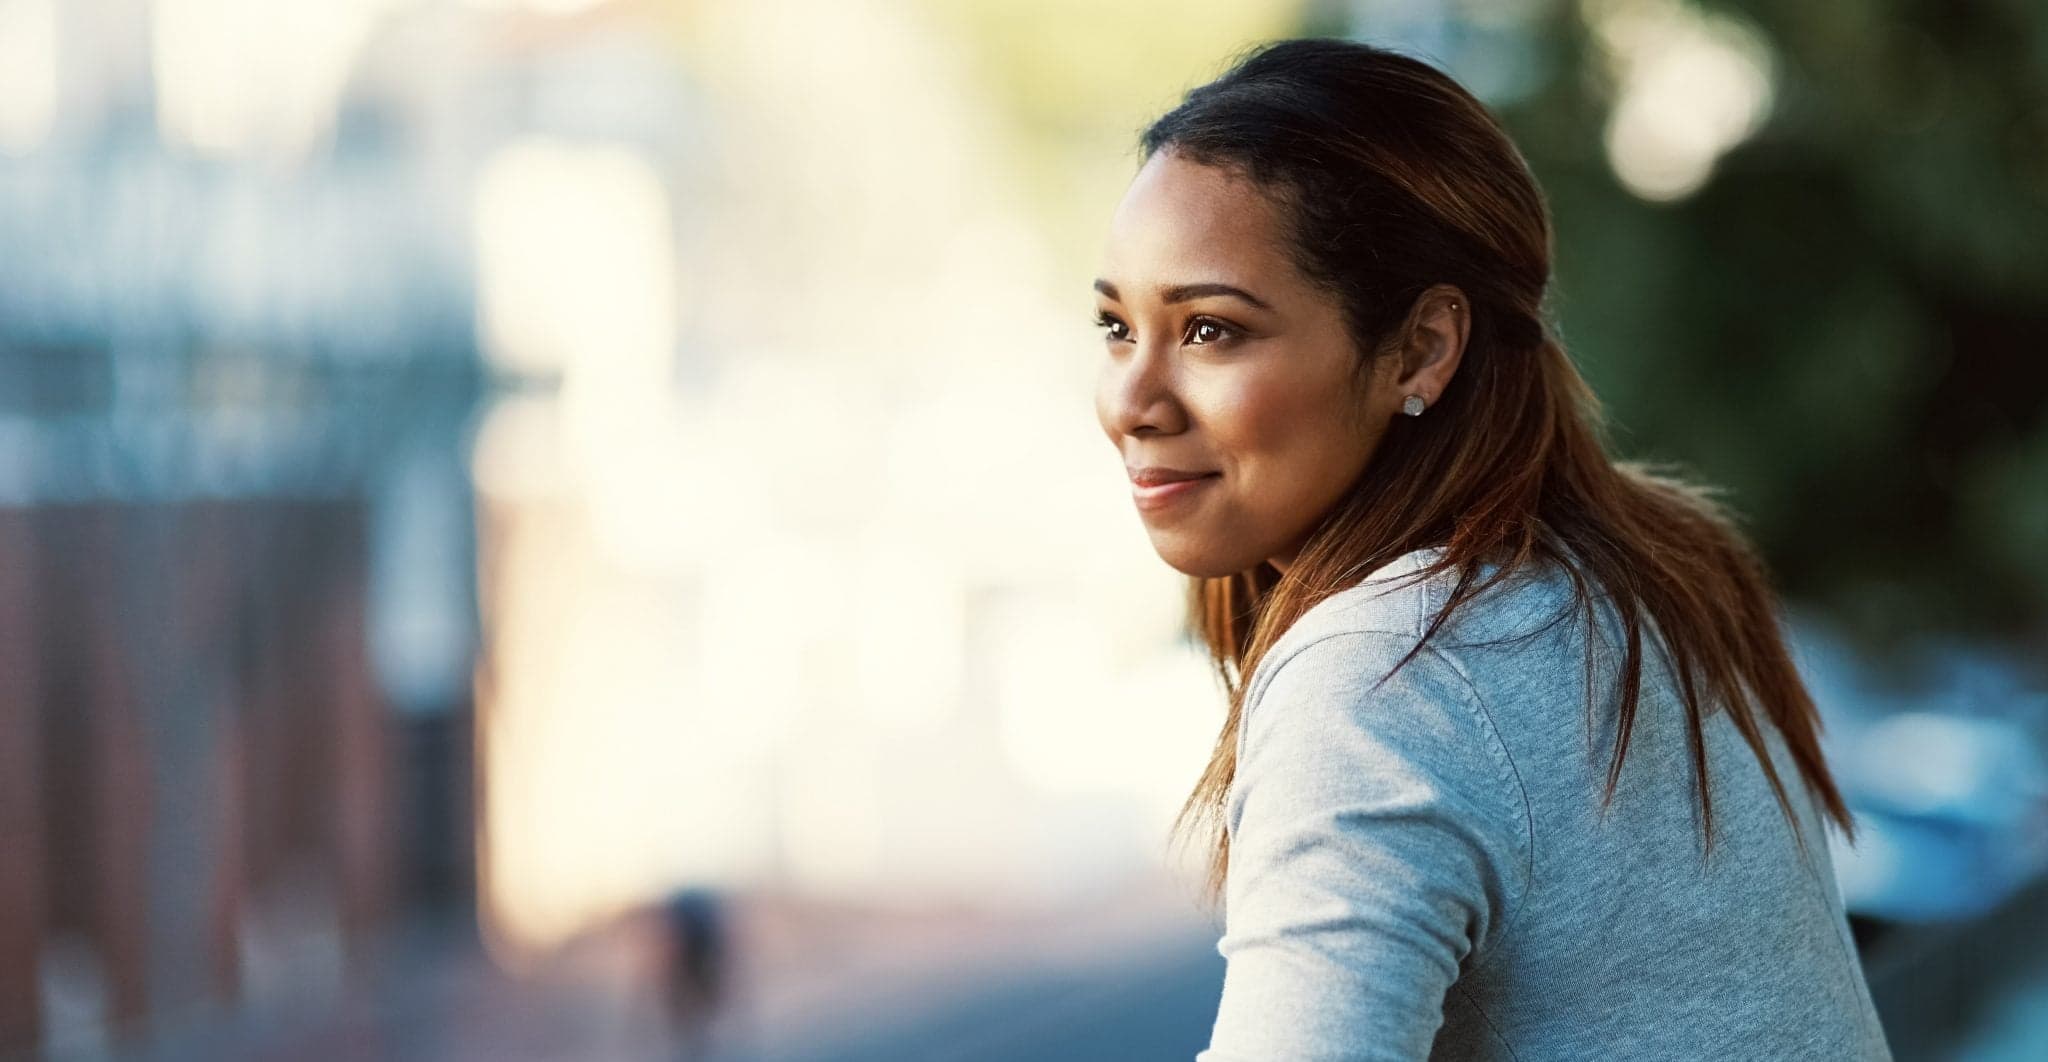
(1521, 768)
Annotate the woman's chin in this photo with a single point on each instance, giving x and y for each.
(1198, 559)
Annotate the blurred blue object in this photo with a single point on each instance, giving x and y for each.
(1945, 772)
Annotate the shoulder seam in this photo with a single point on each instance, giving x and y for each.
(1500, 749)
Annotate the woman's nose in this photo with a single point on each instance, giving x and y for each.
(1138, 396)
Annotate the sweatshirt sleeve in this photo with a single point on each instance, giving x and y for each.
(1379, 838)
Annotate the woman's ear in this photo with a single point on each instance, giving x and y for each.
(1439, 325)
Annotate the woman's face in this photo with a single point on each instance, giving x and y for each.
(1225, 362)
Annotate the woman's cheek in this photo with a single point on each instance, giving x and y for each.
(1255, 413)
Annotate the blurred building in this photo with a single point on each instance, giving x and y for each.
(235, 526)
(360, 357)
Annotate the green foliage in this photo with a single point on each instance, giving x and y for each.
(1846, 325)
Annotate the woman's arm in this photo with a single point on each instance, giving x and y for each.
(1379, 837)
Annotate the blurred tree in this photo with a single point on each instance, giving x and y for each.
(1844, 326)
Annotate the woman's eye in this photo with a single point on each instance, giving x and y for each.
(1113, 329)
(1202, 333)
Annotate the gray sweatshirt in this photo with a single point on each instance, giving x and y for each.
(1424, 869)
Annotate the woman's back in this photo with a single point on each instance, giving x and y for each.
(1426, 867)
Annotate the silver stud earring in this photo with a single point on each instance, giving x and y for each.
(1413, 405)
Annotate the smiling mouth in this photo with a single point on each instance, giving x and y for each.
(1165, 495)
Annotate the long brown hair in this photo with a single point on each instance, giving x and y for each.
(1395, 179)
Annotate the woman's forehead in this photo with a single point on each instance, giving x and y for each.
(1183, 223)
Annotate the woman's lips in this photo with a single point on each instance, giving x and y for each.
(1164, 495)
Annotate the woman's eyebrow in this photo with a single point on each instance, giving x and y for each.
(1185, 292)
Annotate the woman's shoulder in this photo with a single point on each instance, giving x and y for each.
(1393, 608)
(1348, 684)
(1403, 596)
(1342, 651)
(1394, 598)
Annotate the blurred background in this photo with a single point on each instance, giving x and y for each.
(541, 529)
